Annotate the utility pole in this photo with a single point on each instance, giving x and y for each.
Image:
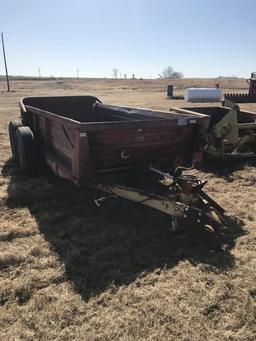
(39, 72)
(77, 73)
(5, 64)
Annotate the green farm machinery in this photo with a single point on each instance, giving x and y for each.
(231, 132)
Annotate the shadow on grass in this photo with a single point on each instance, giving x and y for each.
(226, 167)
(113, 244)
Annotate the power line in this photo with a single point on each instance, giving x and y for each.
(5, 64)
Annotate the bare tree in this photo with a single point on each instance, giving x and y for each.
(167, 72)
(177, 74)
(115, 72)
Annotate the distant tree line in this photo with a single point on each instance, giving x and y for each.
(167, 73)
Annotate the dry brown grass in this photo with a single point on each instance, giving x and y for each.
(70, 270)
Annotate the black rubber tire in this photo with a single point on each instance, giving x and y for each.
(13, 126)
(27, 151)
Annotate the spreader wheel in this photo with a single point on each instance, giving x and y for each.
(13, 126)
(26, 150)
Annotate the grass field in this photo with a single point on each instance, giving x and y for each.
(73, 271)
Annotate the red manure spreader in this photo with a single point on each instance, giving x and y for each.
(137, 154)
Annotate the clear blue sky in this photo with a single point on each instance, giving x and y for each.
(201, 38)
